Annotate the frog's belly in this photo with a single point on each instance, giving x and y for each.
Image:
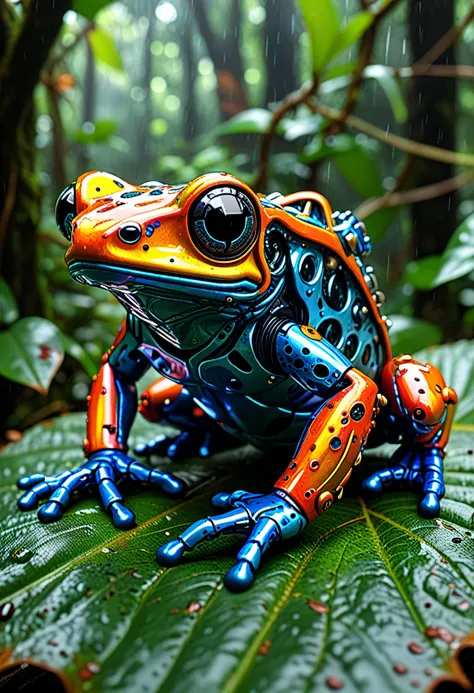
(255, 421)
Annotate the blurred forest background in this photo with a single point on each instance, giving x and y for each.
(371, 103)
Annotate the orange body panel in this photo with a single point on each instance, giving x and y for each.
(332, 445)
(160, 394)
(102, 425)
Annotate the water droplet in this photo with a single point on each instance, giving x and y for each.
(6, 611)
(22, 555)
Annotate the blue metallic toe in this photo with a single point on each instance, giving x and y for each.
(29, 501)
(171, 553)
(373, 484)
(140, 449)
(28, 481)
(122, 517)
(50, 512)
(240, 577)
(173, 486)
(221, 500)
(429, 506)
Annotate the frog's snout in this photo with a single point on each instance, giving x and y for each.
(66, 210)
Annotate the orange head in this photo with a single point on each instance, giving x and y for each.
(204, 236)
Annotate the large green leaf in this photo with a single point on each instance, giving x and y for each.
(31, 351)
(101, 131)
(8, 306)
(103, 48)
(349, 600)
(322, 21)
(251, 121)
(89, 8)
(458, 258)
(412, 334)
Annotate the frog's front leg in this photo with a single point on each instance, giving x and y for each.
(421, 409)
(111, 410)
(329, 447)
(165, 400)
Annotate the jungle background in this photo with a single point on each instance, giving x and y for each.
(370, 102)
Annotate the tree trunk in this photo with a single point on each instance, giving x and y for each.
(190, 117)
(280, 49)
(26, 51)
(145, 143)
(432, 121)
(88, 108)
(24, 46)
(224, 51)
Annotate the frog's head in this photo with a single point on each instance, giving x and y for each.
(153, 245)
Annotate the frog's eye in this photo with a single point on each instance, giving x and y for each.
(223, 223)
(131, 233)
(66, 210)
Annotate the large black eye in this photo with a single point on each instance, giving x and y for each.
(223, 223)
(131, 233)
(66, 210)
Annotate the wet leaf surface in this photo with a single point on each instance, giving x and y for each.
(371, 597)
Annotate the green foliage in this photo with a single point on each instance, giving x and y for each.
(412, 334)
(254, 120)
(104, 50)
(89, 598)
(89, 8)
(328, 38)
(102, 132)
(458, 258)
(421, 273)
(391, 86)
(8, 306)
(31, 351)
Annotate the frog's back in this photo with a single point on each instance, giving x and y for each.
(327, 279)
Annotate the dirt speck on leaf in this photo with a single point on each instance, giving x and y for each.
(318, 607)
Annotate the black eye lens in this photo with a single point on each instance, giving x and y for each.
(66, 210)
(419, 414)
(130, 233)
(224, 223)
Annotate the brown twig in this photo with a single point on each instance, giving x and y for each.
(405, 145)
(445, 42)
(9, 203)
(406, 197)
(288, 104)
(59, 57)
(365, 55)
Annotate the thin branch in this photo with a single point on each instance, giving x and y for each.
(289, 103)
(455, 71)
(59, 57)
(365, 55)
(406, 197)
(405, 145)
(445, 41)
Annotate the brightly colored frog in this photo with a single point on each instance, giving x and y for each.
(264, 325)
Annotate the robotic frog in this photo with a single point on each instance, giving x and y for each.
(264, 325)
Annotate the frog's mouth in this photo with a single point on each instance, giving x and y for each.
(124, 279)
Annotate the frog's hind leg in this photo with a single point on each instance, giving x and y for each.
(420, 414)
(199, 435)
